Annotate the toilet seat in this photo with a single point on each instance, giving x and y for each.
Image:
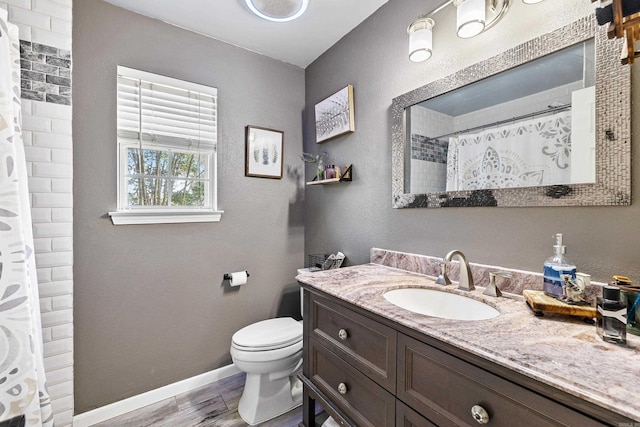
(270, 334)
(239, 354)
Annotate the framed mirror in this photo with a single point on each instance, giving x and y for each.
(546, 123)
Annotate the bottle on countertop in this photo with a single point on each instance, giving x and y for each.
(556, 268)
(611, 315)
(630, 294)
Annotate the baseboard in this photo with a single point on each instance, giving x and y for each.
(132, 403)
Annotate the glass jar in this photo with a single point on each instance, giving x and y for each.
(320, 170)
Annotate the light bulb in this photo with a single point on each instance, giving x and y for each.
(471, 15)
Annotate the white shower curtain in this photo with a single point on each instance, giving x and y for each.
(22, 381)
(528, 153)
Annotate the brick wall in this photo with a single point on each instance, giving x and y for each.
(45, 34)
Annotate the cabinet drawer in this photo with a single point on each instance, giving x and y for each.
(362, 400)
(364, 343)
(444, 388)
(407, 417)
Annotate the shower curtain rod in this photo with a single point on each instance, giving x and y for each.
(501, 122)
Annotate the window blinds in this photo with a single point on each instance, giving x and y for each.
(164, 111)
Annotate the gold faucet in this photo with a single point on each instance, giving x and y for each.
(466, 279)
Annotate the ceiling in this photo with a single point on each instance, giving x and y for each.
(298, 42)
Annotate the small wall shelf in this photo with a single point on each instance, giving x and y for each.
(345, 177)
(325, 181)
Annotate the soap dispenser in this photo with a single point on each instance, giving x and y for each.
(556, 268)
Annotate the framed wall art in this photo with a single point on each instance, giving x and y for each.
(334, 115)
(264, 150)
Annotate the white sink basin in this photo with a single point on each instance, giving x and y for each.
(440, 304)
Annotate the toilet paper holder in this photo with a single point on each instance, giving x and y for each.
(227, 276)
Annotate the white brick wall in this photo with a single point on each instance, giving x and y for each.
(48, 141)
(52, 201)
(42, 21)
(428, 177)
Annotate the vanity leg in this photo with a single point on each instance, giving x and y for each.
(308, 409)
(308, 403)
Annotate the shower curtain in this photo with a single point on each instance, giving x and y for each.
(22, 381)
(528, 153)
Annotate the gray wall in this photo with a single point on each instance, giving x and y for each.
(354, 217)
(150, 306)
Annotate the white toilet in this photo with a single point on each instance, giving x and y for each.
(270, 352)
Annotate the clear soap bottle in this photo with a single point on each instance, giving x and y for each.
(611, 316)
(555, 268)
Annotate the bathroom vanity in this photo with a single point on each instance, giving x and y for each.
(368, 362)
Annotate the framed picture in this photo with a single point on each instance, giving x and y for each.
(334, 115)
(263, 156)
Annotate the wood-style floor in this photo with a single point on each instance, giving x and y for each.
(212, 405)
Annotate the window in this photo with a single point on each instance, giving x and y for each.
(167, 135)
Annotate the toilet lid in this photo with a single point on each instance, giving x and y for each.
(269, 334)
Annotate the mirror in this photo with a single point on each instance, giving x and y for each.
(538, 125)
(528, 126)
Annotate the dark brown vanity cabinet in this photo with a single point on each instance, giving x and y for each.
(351, 359)
(366, 370)
(451, 392)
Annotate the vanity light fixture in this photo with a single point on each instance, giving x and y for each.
(472, 18)
(420, 39)
(278, 11)
(531, 1)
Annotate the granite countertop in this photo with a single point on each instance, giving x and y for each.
(560, 351)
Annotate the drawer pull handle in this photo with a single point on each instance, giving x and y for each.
(342, 334)
(480, 414)
(342, 388)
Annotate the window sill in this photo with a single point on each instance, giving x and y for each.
(163, 217)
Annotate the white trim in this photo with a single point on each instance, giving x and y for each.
(121, 407)
(163, 217)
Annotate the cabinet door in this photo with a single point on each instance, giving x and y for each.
(361, 399)
(446, 390)
(364, 343)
